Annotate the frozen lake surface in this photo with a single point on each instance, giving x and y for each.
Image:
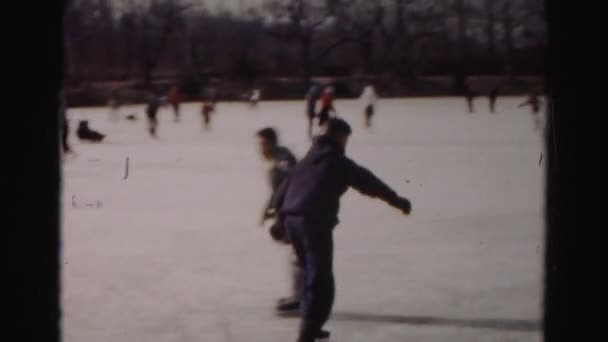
(174, 253)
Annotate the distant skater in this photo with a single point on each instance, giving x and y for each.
(327, 105)
(206, 111)
(492, 99)
(254, 97)
(151, 113)
(174, 98)
(470, 97)
(369, 97)
(312, 96)
(65, 126)
(534, 102)
(114, 104)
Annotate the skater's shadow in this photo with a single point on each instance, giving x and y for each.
(480, 323)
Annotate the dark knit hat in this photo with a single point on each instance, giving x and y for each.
(338, 126)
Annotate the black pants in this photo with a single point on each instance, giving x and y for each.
(313, 245)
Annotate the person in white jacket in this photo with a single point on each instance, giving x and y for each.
(369, 97)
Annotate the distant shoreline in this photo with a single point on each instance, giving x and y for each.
(281, 88)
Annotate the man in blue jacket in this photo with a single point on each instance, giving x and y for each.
(308, 203)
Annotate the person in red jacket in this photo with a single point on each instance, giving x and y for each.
(327, 105)
(175, 98)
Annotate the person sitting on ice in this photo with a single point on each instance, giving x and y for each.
(87, 134)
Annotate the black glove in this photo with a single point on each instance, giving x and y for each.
(402, 204)
(277, 232)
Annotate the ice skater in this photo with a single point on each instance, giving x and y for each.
(114, 104)
(308, 203)
(327, 105)
(282, 162)
(153, 105)
(470, 97)
(65, 126)
(207, 109)
(492, 97)
(369, 98)
(312, 96)
(174, 98)
(85, 133)
(254, 97)
(534, 102)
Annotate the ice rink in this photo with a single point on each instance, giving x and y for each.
(174, 253)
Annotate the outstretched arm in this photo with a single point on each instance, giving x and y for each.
(368, 184)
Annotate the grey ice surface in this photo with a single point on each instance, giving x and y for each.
(174, 253)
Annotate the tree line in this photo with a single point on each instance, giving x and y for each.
(148, 39)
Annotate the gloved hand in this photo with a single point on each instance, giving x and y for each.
(403, 204)
(277, 232)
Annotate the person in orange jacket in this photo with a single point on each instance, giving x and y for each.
(327, 105)
(175, 98)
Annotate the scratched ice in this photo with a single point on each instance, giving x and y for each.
(173, 252)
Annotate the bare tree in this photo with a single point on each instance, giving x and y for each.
(508, 26)
(86, 22)
(156, 23)
(307, 23)
(489, 12)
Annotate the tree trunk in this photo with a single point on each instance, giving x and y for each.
(490, 23)
(508, 26)
(366, 48)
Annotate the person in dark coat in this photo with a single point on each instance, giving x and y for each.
(282, 162)
(65, 126)
(151, 112)
(492, 98)
(308, 202)
(470, 97)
